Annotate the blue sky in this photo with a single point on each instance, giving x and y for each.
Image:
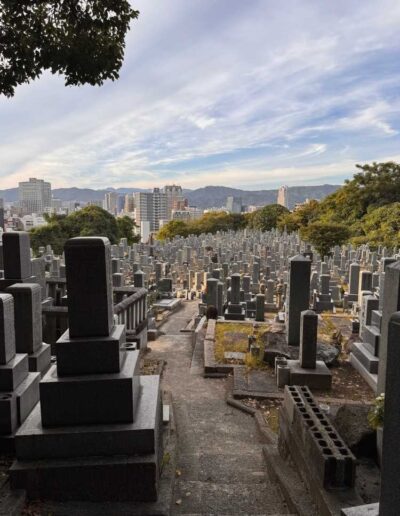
(220, 92)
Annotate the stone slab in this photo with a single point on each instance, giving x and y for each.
(371, 509)
(7, 330)
(371, 335)
(27, 394)
(91, 399)
(91, 355)
(370, 378)
(318, 378)
(39, 362)
(364, 355)
(8, 413)
(14, 372)
(34, 442)
(120, 478)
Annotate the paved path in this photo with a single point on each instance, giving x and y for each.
(219, 452)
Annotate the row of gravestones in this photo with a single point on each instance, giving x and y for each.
(96, 433)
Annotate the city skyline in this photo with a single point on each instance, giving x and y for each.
(211, 94)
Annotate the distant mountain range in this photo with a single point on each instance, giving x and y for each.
(207, 197)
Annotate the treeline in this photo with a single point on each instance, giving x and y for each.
(264, 219)
(366, 209)
(89, 221)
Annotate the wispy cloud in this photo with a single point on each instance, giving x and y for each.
(212, 93)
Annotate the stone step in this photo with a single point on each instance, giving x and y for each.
(363, 353)
(376, 318)
(370, 378)
(371, 335)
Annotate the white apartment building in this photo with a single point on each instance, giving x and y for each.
(151, 207)
(34, 196)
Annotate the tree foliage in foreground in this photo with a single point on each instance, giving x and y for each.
(90, 221)
(84, 40)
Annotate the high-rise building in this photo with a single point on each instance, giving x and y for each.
(110, 203)
(175, 198)
(129, 205)
(151, 207)
(283, 196)
(234, 204)
(34, 196)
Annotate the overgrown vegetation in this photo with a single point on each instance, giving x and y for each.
(90, 221)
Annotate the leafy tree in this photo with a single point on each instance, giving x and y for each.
(267, 218)
(376, 185)
(172, 229)
(125, 229)
(301, 217)
(381, 226)
(324, 235)
(84, 40)
(90, 221)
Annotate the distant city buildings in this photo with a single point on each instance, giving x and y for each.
(129, 205)
(34, 196)
(111, 202)
(175, 199)
(283, 196)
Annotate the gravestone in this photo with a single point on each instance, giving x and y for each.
(298, 296)
(16, 259)
(28, 325)
(19, 389)
(96, 434)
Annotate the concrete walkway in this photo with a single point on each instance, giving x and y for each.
(219, 451)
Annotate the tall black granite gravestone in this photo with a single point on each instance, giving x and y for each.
(96, 434)
(19, 389)
(16, 259)
(298, 298)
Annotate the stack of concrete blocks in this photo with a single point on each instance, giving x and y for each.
(19, 389)
(314, 444)
(96, 434)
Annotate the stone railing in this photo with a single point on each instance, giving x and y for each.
(131, 309)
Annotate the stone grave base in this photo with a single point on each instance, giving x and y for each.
(40, 360)
(15, 407)
(318, 378)
(254, 383)
(95, 462)
(371, 509)
(370, 378)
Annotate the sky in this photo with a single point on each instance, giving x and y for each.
(251, 95)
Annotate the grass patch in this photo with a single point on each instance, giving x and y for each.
(231, 336)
